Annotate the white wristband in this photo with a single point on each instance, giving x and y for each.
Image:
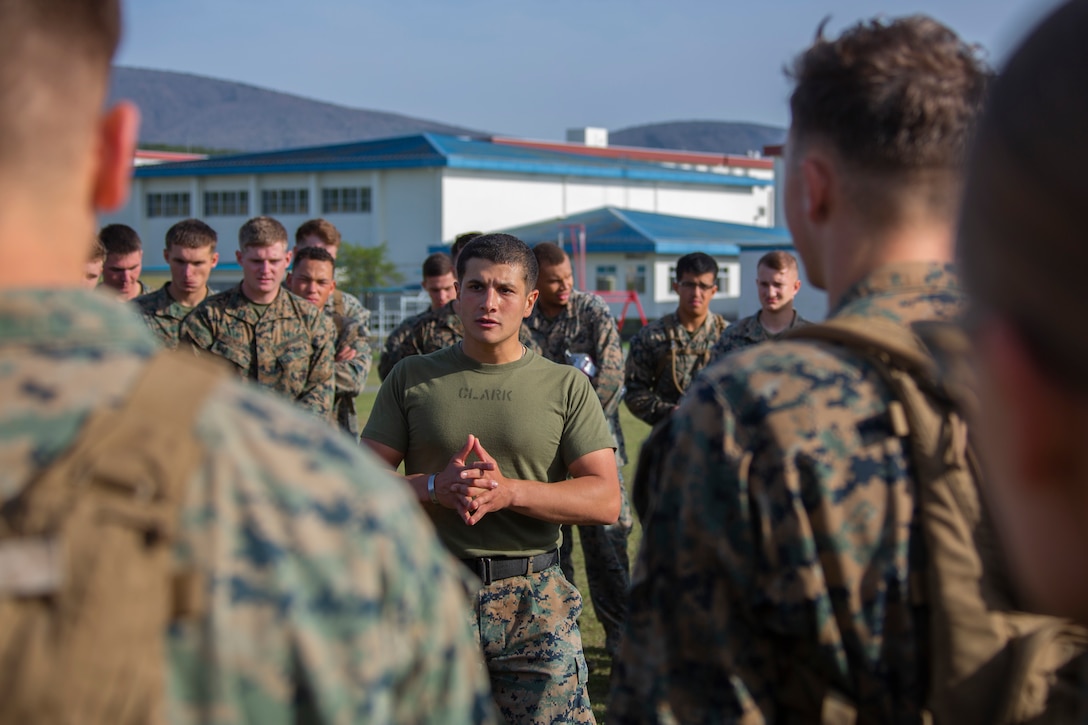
(430, 488)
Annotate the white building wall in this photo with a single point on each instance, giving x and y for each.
(413, 216)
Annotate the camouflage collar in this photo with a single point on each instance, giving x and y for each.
(897, 279)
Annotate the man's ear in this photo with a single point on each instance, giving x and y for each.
(529, 302)
(215, 259)
(117, 131)
(817, 187)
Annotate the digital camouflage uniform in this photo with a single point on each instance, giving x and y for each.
(427, 332)
(776, 550)
(163, 314)
(352, 322)
(663, 360)
(328, 597)
(144, 289)
(586, 326)
(289, 348)
(748, 331)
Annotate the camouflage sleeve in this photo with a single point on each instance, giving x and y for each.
(397, 347)
(641, 396)
(726, 343)
(351, 374)
(318, 393)
(329, 597)
(691, 651)
(608, 355)
(196, 331)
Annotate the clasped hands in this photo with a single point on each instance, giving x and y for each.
(473, 489)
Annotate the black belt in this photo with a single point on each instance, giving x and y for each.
(493, 568)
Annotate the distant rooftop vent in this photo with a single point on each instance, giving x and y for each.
(588, 136)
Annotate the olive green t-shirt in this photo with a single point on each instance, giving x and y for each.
(533, 416)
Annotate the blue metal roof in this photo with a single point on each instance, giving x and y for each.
(613, 230)
(438, 150)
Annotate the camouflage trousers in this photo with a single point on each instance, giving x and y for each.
(608, 570)
(528, 630)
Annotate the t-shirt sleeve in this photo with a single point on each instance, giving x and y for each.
(388, 422)
(586, 429)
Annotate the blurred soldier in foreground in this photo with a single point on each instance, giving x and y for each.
(1021, 228)
(313, 278)
(190, 252)
(774, 579)
(576, 328)
(124, 260)
(777, 282)
(325, 595)
(542, 457)
(267, 334)
(666, 355)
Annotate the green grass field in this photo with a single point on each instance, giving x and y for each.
(635, 432)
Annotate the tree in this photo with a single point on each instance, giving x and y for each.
(360, 270)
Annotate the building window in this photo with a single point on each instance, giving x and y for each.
(174, 203)
(606, 277)
(636, 278)
(285, 201)
(226, 203)
(347, 200)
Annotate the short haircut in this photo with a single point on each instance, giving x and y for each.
(460, 242)
(316, 254)
(54, 63)
(697, 263)
(437, 265)
(500, 249)
(324, 230)
(549, 254)
(1021, 230)
(97, 252)
(897, 102)
(191, 234)
(120, 239)
(778, 260)
(261, 231)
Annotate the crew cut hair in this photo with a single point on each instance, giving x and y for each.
(191, 234)
(890, 95)
(696, 263)
(120, 239)
(460, 242)
(323, 229)
(97, 252)
(549, 254)
(437, 265)
(316, 254)
(261, 231)
(500, 249)
(778, 260)
(54, 63)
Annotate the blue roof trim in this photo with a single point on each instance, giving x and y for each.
(437, 150)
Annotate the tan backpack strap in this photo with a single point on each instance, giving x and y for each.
(88, 646)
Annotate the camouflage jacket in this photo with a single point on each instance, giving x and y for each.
(663, 360)
(352, 322)
(290, 348)
(585, 326)
(329, 598)
(747, 332)
(163, 314)
(776, 553)
(427, 332)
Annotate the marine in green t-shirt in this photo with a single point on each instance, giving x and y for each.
(502, 447)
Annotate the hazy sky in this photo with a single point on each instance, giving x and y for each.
(529, 68)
